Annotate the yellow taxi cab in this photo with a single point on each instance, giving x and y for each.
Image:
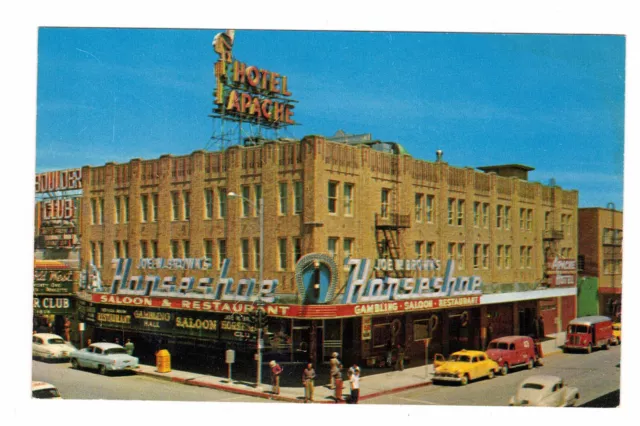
(617, 333)
(464, 366)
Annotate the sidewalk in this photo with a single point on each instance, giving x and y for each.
(371, 386)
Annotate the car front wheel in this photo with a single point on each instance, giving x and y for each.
(464, 380)
(490, 374)
(103, 370)
(589, 349)
(74, 364)
(505, 369)
(530, 364)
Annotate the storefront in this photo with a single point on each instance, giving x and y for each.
(54, 298)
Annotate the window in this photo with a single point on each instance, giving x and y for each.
(154, 207)
(246, 207)
(244, 253)
(144, 212)
(499, 249)
(384, 203)
(507, 217)
(430, 206)
(430, 249)
(297, 200)
(498, 216)
(125, 249)
(186, 204)
(258, 195)
(547, 221)
(450, 210)
(419, 245)
(522, 219)
(529, 220)
(186, 246)
(222, 252)
(529, 251)
(381, 335)
(347, 247)
(418, 200)
(94, 211)
(522, 256)
(507, 257)
(256, 253)
(485, 215)
(116, 250)
(460, 212)
(208, 203)
(175, 205)
(476, 214)
(154, 248)
(174, 249)
(116, 201)
(485, 256)
(450, 250)
(460, 257)
(332, 246)
(333, 197)
(125, 206)
(222, 203)
(283, 198)
(297, 250)
(143, 249)
(101, 211)
(476, 256)
(282, 250)
(208, 249)
(92, 253)
(348, 199)
(568, 224)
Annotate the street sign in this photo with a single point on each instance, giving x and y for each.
(230, 356)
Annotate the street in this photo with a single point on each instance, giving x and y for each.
(86, 384)
(594, 375)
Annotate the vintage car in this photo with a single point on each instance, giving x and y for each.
(545, 391)
(105, 357)
(514, 351)
(617, 333)
(464, 366)
(44, 390)
(587, 333)
(50, 347)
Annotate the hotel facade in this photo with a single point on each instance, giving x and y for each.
(365, 248)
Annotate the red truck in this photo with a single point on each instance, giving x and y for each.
(514, 351)
(590, 332)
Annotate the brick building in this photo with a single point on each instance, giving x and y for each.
(600, 254)
(341, 200)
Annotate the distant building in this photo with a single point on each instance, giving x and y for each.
(600, 254)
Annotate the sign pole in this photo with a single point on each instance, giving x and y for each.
(426, 358)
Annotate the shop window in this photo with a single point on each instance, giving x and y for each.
(381, 335)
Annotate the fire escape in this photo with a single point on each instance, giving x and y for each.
(389, 223)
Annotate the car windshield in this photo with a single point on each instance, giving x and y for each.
(56, 341)
(498, 345)
(46, 393)
(113, 351)
(532, 386)
(578, 329)
(459, 358)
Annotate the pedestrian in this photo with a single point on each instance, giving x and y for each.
(353, 369)
(338, 379)
(308, 377)
(400, 358)
(117, 341)
(88, 342)
(335, 365)
(276, 370)
(67, 329)
(129, 346)
(355, 386)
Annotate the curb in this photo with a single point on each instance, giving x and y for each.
(265, 395)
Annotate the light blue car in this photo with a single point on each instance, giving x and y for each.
(104, 357)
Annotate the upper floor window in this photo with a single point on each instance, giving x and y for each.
(451, 211)
(175, 205)
(244, 253)
(507, 217)
(332, 246)
(222, 252)
(298, 197)
(476, 214)
(117, 209)
(460, 212)
(258, 195)
(418, 201)
(384, 203)
(347, 247)
(333, 197)
(246, 207)
(485, 215)
(208, 203)
(430, 208)
(144, 212)
(94, 211)
(499, 216)
(186, 204)
(125, 208)
(297, 249)
(348, 199)
(222, 203)
(154, 207)
(282, 249)
(283, 198)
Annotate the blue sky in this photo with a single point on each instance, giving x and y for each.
(553, 102)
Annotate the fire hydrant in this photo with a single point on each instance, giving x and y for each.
(163, 361)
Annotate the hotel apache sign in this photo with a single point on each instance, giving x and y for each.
(374, 296)
(249, 93)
